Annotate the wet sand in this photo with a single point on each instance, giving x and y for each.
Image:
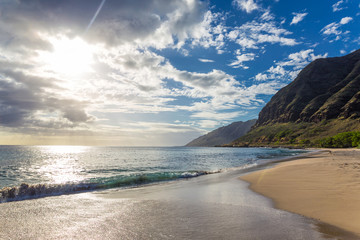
(324, 186)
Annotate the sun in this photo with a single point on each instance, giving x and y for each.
(68, 56)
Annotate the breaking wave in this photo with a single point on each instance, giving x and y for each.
(31, 191)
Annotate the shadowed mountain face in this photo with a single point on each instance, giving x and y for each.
(223, 135)
(325, 89)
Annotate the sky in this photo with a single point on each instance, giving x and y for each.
(155, 72)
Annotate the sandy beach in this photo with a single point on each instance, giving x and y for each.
(324, 186)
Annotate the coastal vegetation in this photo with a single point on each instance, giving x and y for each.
(342, 140)
(302, 134)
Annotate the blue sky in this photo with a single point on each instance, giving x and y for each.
(155, 72)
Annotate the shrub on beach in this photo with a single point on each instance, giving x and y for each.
(342, 140)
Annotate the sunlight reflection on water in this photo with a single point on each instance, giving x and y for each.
(62, 165)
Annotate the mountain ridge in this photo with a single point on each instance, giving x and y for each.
(321, 91)
(222, 135)
(322, 101)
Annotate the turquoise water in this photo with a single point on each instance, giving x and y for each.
(38, 171)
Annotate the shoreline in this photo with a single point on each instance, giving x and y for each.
(323, 185)
(214, 206)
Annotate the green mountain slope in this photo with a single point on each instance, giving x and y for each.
(223, 135)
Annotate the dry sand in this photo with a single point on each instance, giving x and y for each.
(324, 186)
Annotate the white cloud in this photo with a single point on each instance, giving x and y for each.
(273, 39)
(300, 59)
(210, 32)
(209, 124)
(140, 86)
(188, 21)
(268, 88)
(241, 58)
(277, 70)
(206, 60)
(261, 77)
(288, 69)
(246, 5)
(331, 28)
(298, 18)
(219, 116)
(233, 35)
(252, 34)
(345, 20)
(338, 6)
(334, 28)
(247, 43)
(267, 16)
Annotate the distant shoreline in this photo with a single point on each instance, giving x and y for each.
(324, 185)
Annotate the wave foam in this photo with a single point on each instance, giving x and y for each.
(31, 191)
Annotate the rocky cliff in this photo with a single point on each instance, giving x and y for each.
(327, 88)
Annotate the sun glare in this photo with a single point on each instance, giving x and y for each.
(62, 165)
(69, 56)
(63, 149)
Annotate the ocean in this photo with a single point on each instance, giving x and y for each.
(29, 172)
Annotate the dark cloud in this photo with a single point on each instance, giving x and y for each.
(29, 81)
(75, 115)
(72, 110)
(11, 117)
(22, 96)
(14, 96)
